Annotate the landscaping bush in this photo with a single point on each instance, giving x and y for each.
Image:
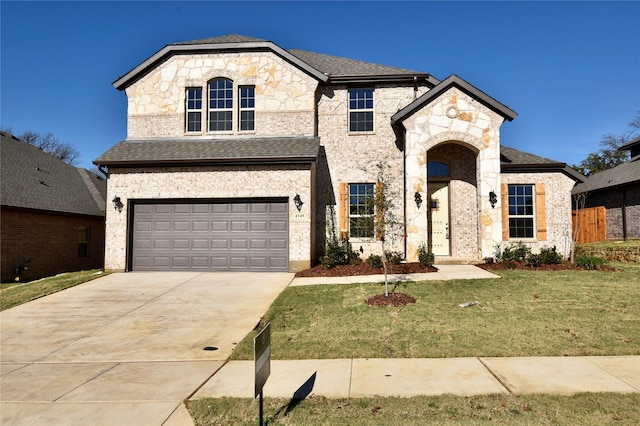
(374, 260)
(425, 257)
(589, 262)
(549, 256)
(339, 253)
(534, 260)
(395, 257)
(517, 252)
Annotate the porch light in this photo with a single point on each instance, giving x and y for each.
(493, 199)
(117, 204)
(418, 199)
(298, 202)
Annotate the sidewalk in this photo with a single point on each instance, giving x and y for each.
(445, 272)
(356, 378)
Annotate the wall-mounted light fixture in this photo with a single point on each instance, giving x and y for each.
(117, 204)
(493, 199)
(418, 199)
(298, 202)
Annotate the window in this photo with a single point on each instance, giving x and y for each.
(437, 169)
(83, 241)
(194, 109)
(247, 108)
(361, 110)
(361, 210)
(220, 105)
(521, 211)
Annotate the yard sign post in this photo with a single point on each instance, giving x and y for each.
(262, 357)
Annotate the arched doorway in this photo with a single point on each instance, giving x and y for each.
(452, 215)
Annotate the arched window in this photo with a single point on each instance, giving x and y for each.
(220, 105)
(437, 169)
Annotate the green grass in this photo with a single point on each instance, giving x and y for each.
(583, 409)
(555, 313)
(16, 294)
(611, 244)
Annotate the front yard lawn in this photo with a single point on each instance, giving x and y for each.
(554, 313)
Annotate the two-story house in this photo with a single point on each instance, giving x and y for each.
(240, 155)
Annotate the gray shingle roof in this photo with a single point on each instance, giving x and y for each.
(33, 179)
(623, 174)
(211, 151)
(230, 38)
(515, 161)
(337, 66)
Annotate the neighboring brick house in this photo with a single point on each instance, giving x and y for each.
(237, 148)
(52, 214)
(618, 190)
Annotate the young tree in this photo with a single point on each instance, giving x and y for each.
(609, 156)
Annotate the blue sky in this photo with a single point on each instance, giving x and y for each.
(570, 69)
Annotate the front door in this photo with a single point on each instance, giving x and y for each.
(439, 230)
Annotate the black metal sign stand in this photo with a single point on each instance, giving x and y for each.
(262, 358)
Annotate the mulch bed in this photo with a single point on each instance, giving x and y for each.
(565, 266)
(364, 268)
(394, 299)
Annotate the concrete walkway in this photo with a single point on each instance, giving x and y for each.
(357, 378)
(445, 272)
(129, 348)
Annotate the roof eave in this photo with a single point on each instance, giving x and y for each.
(207, 162)
(177, 49)
(384, 78)
(541, 168)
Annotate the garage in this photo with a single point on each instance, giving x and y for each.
(213, 235)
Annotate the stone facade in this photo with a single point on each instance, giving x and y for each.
(456, 118)
(458, 127)
(285, 96)
(557, 209)
(242, 182)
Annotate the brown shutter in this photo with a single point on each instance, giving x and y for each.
(343, 211)
(541, 213)
(504, 197)
(379, 201)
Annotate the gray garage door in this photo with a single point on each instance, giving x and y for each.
(225, 236)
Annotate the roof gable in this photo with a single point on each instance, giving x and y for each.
(33, 179)
(229, 43)
(453, 81)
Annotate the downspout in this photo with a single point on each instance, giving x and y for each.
(103, 171)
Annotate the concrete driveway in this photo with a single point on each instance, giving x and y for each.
(125, 348)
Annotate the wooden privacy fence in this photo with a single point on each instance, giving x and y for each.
(589, 225)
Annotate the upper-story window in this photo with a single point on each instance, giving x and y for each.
(247, 107)
(361, 110)
(194, 109)
(220, 105)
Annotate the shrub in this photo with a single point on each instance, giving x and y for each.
(549, 256)
(395, 257)
(534, 260)
(517, 252)
(374, 260)
(589, 262)
(339, 253)
(425, 257)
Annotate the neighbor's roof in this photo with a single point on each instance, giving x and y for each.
(171, 152)
(324, 68)
(624, 174)
(515, 161)
(33, 179)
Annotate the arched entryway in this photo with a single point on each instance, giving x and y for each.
(452, 200)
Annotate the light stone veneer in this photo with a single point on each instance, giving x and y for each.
(557, 205)
(284, 95)
(455, 118)
(210, 182)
